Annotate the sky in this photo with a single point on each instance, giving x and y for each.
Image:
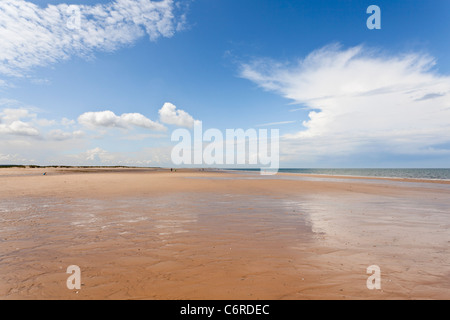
(106, 82)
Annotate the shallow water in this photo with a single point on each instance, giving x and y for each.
(216, 240)
(409, 173)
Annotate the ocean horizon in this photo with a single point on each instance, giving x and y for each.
(405, 173)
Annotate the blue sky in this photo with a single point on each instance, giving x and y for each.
(344, 95)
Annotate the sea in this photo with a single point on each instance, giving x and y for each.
(419, 173)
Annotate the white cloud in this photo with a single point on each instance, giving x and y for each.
(14, 159)
(67, 122)
(157, 156)
(21, 121)
(10, 114)
(361, 100)
(109, 119)
(11, 103)
(33, 36)
(11, 122)
(19, 128)
(139, 120)
(25, 135)
(97, 154)
(100, 119)
(170, 115)
(60, 135)
(45, 122)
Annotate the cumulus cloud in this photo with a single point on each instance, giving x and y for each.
(11, 122)
(169, 114)
(33, 36)
(109, 119)
(361, 100)
(19, 128)
(139, 120)
(10, 114)
(23, 121)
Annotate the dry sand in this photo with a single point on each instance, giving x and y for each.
(154, 234)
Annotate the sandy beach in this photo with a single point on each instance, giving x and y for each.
(156, 234)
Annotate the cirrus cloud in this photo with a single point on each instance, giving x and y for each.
(32, 36)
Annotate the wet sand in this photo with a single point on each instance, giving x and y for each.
(156, 234)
